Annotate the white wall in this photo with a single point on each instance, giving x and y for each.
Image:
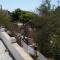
(27, 48)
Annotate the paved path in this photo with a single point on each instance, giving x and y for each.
(4, 55)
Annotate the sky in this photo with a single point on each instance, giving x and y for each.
(29, 5)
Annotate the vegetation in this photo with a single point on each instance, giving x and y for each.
(4, 19)
(21, 16)
(47, 32)
(46, 24)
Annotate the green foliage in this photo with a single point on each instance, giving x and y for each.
(48, 32)
(16, 14)
(21, 16)
(44, 8)
(4, 19)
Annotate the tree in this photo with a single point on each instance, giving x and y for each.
(26, 16)
(16, 15)
(21, 16)
(44, 8)
(48, 33)
(4, 19)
